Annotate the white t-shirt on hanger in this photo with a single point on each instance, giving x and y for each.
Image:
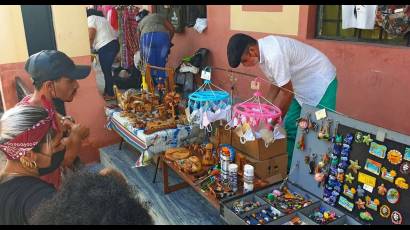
(366, 16)
(284, 59)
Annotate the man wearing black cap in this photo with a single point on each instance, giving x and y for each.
(55, 76)
(303, 73)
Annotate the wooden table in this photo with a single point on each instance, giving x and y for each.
(189, 180)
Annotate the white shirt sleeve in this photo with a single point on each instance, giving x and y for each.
(91, 22)
(278, 67)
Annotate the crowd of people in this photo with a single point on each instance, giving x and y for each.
(42, 183)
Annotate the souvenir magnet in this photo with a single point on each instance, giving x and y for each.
(360, 191)
(373, 166)
(395, 157)
(349, 192)
(407, 154)
(349, 178)
(354, 166)
(404, 168)
(367, 180)
(367, 139)
(384, 211)
(396, 217)
(378, 150)
(367, 216)
(381, 190)
(389, 176)
(393, 196)
(360, 204)
(401, 183)
(372, 204)
(358, 137)
(346, 204)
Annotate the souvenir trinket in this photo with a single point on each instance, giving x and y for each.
(407, 154)
(340, 175)
(384, 211)
(324, 133)
(207, 158)
(393, 196)
(360, 204)
(323, 216)
(395, 157)
(366, 216)
(404, 168)
(179, 153)
(401, 183)
(367, 139)
(242, 206)
(372, 204)
(287, 202)
(378, 150)
(396, 217)
(349, 192)
(373, 166)
(263, 217)
(295, 221)
(312, 163)
(301, 142)
(381, 190)
(303, 124)
(358, 137)
(389, 176)
(354, 166)
(346, 204)
(360, 191)
(368, 181)
(349, 178)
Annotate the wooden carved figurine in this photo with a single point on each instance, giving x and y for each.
(207, 158)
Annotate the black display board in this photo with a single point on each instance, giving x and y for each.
(360, 152)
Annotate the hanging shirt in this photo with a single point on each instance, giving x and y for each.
(285, 59)
(112, 17)
(105, 32)
(359, 16)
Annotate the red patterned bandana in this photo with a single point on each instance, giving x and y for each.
(24, 142)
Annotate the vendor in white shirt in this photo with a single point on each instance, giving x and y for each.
(295, 67)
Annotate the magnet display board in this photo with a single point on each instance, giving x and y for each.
(299, 172)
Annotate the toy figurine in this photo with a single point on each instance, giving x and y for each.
(207, 158)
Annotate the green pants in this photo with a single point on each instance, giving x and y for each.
(328, 100)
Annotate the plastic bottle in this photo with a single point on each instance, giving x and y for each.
(248, 174)
(233, 177)
(224, 161)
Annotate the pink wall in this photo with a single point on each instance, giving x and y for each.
(373, 78)
(87, 107)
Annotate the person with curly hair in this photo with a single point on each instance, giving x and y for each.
(93, 199)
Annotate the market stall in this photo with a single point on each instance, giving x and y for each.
(347, 172)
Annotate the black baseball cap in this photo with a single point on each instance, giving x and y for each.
(236, 46)
(48, 65)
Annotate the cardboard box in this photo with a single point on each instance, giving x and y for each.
(255, 149)
(267, 168)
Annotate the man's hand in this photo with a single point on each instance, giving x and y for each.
(80, 131)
